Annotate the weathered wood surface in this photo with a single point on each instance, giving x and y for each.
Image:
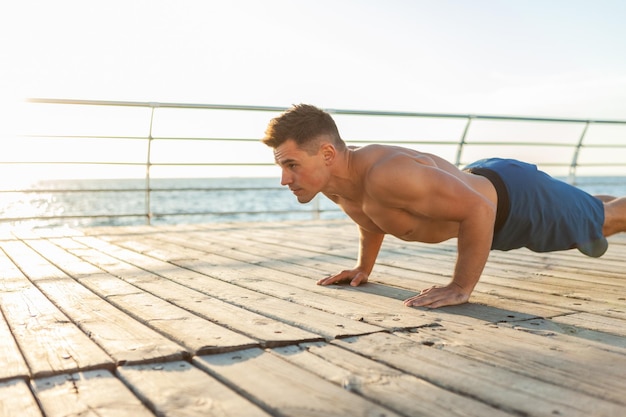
(226, 320)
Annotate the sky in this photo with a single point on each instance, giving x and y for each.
(551, 58)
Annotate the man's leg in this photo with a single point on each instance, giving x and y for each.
(614, 216)
(605, 198)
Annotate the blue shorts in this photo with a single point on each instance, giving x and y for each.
(544, 214)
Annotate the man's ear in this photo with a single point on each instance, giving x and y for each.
(328, 152)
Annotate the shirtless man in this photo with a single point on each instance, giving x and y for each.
(420, 197)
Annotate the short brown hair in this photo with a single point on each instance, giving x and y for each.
(303, 123)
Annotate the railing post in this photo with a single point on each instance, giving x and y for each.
(148, 187)
(316, 208)
(459, 151)
(572, 168)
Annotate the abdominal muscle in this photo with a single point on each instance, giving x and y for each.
(409, 227)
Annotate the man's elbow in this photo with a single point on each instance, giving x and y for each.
(485, 212)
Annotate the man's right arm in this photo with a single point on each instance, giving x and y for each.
(369, 246)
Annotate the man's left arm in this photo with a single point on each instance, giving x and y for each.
(441, 196)
(473, 245)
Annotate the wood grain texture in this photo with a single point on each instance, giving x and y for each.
(226, 319)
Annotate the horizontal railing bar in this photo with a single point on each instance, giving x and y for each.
(231, 213)
(67, 217)
(402, 141)
(564, 164)
(217, 164)
(153, 215)
(157, 138)
(154, 164)
(140, 138)
(143, 190)
(543, 164)
(471, 116)
(71, 163)
(155, 104)
(74, 190)
(226, 164)
(350, 141)
(33, 136)
(600, 164)
(469, 142)
(605, 145)
(535, 144)
(334, 111)
(243, 164)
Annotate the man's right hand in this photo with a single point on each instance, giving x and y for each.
(355, 277)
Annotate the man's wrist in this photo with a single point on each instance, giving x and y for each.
(461, 287)
(457, 284)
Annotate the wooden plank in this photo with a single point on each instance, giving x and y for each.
(176, 323)
(317, 235)
(539, 275)
(325, 324)
(125, 340)
(198, 334)
(92, 393)
(444, 254)
(378, 304)
(48, 340)
(308, 266)
(16, 400)
(515, 280)
(387, 312)
(561, 360)
(392, 388)
(511, 303)
(543, 301)
(264, 330)
(289, 287)
(561, 260)
(268, 332)
(287, 390)
(499, 387)
(611, 325)
(414, 280)
(13, 363)
(508, 314)
(547, 327)
(178, 388)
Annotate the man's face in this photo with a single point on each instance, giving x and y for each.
(304, 174)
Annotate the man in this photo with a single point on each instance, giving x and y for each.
(492, 204)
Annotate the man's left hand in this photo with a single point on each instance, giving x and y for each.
(434, 297)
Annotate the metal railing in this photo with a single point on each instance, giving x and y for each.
(460, 145)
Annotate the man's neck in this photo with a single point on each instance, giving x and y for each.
(346, 181)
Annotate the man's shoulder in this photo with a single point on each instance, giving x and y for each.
(390, 173)
(393, 162)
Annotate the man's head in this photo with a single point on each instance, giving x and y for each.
(306, 143)
(307, 126)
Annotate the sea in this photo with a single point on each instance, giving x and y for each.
(117, 202)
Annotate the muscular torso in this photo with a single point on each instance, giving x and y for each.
(373, 215)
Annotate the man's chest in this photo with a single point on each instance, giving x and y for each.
(378, 218)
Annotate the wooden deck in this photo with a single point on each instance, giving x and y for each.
(226, 320)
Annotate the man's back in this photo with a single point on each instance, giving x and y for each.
(401, 190)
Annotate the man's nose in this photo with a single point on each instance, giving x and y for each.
(285, 178)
